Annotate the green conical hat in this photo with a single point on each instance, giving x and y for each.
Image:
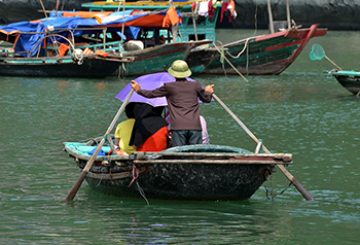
(179, 69)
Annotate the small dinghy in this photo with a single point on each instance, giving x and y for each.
(202, 171)
(349, 80)
(190, 172)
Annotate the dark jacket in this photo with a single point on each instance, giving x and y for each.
(183, 102)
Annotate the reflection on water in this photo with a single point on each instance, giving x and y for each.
(303, 111)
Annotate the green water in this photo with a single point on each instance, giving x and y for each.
(303, 111)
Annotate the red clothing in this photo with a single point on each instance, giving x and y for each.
(156, 142)
(224, 6)
(211, 10)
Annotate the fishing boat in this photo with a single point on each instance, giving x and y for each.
(188, 172)
(90, 67)
(348, 79)
(202, 171)
(83, 44)
(268, 54)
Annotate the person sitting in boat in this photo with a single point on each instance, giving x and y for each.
(183, 103)
(123, 133)
(150, 131)
(204, 132)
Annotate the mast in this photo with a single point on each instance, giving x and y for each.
(271, 22)
(288, 14)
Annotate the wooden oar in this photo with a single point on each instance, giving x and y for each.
(90, 162)
(288, 175)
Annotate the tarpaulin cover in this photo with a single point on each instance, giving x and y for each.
(31, 33)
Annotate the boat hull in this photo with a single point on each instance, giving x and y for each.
(350, 81)
(159, 58)
(202, 172)
(58, 67)
(190, 181)
(263, 55)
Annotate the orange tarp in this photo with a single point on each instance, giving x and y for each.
(63, 48)
(171, 18)
(85, 14)
(148, 21)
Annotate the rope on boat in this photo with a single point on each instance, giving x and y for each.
(142, 193)
(270, 194)
(135, 175)
(242, 51)
(98, 184)
(229, 62)
(43, 8)
(77, 54)
(246, 47)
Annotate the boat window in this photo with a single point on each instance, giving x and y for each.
(153, 37)
(200, 37)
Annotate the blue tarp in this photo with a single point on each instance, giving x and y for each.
(29, 44)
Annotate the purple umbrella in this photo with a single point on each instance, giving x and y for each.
(148, 82)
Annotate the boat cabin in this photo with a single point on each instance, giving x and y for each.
(196, 25)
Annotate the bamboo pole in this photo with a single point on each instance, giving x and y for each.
(332, 62)
(271, 22)
(288, 175)
(288, 14)
(194, 15)
(43, 8)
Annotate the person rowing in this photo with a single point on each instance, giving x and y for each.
(183, 103)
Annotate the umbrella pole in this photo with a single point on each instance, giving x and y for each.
(288, 175)
(90, 162)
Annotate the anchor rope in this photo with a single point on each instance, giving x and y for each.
(142, 193)
(229, 62)
(270, 194)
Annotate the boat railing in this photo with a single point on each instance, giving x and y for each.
(112, 47)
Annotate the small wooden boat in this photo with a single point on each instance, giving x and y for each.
(349, 80)
(188, 172)
(95, 36)
(90, 66)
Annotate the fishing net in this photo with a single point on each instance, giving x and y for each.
(317, 52)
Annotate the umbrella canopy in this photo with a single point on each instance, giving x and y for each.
(148, 82)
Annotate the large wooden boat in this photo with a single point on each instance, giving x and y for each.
(268, 54)
(95, 46)
(349, 80)
(187, 172)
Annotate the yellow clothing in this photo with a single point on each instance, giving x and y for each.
(123, 131)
